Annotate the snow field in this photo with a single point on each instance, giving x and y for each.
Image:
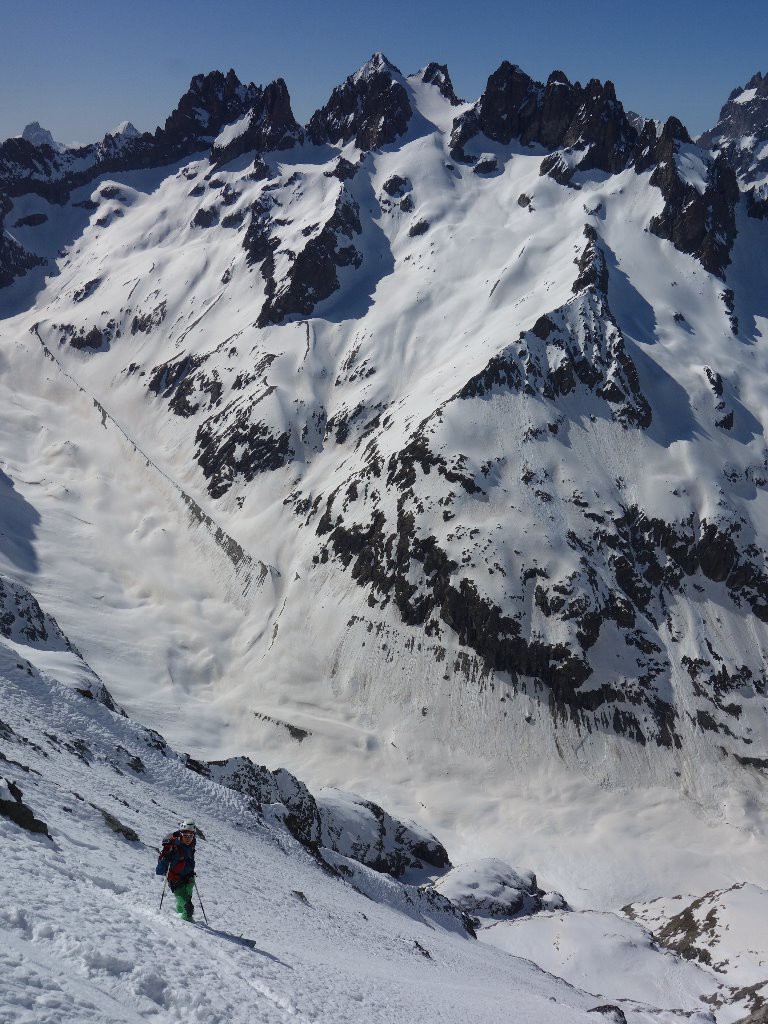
(82, 938)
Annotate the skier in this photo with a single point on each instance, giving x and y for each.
(177, 863)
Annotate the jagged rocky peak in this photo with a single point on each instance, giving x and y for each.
(268, 125)
(211, 102)
(556, 115)
(36, 135)
(29, 167)
(674, 131)
(603, 126)
(375, 65)
(742, 129)
(657, 144)
(371, 108)
(437, 74)
(640, 122)
(745, 112)
(510, 97)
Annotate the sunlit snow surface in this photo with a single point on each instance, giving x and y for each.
(103, 518)
(745, 96)
(84, 938)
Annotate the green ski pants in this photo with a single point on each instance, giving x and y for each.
(183, 896)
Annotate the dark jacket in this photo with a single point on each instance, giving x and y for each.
(177, 860)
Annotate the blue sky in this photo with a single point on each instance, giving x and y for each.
(82, 66)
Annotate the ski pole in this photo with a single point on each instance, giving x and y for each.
(200, 901)
(165, 882)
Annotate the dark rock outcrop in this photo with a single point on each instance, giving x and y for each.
(557, 115)
(26, 624)
(115, 825)
(206, 217)
(759, 1016)
(183, 382)
(24, 621)
(15, 261)
(299, 809)
(342, 822)
(32, 220)
(491, 888)
(700, 223)
(396, 186)
(232, 440)
(211, 102)
(437, 75)
(13, 807)
(371, 107)
(741, 131)
(234, 443)
(757, 202)
(343, 169)
(256, 241)
(421, 227)
(269, 125)
(312, 276)
(143, 323)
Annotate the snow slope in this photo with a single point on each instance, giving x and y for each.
(83, 937)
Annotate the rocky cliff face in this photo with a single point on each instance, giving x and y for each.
(211, 102)
(741, 133)
(268, 125)
(700, 198)
(438, 74)
(587, 121)
(371, 108)
(740, 138)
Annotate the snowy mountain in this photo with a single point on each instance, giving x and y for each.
(419, 451)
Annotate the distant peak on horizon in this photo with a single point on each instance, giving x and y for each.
(126, 129)
(36, 135)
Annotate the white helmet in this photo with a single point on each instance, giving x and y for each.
(188, 826)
